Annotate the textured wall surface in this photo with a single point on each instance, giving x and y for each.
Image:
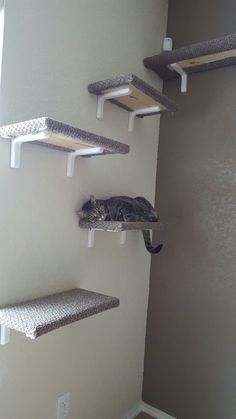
(191, 335)
(52, 50)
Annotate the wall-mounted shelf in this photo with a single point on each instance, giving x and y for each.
(203, 56)
(132, 94)
(117, 227)
(59, 136)
(42, 315)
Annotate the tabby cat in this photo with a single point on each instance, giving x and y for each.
(121, 208)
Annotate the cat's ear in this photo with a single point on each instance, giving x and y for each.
(81, 214)
(93, 199)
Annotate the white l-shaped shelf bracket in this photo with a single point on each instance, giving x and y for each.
(4, 335)
(184, 76)
(16, 144)
(110, 95)
(91, 237)
(143, 111)
(81, 152)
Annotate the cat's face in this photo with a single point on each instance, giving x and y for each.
(93, 210)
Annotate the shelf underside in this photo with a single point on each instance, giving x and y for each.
(142, 94)
(118, 226)
(62, 137)
(42, 315)
(203, 56)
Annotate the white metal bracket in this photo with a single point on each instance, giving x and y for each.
(4, 334)
(123, 237)
(110, 95)
(16, 144)
(143, 111)
(91, 237)
(81, 152)
(184, 76)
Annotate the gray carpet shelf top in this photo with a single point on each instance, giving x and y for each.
(202, 56)
(142, 94)
(42, 315)
(62, 137)
(118, 226)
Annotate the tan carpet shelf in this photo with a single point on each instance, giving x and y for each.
(42, 315)
(118, 226)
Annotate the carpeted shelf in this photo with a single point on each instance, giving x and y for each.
(118, 226)
(61, 136)
(141, 95)
(202, 56)
(42, 315)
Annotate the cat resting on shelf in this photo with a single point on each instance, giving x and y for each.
(121, 208)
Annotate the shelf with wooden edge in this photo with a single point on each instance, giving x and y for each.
(57, 135)
(42, 315)
(132, 94)
(199, 57)
(118, 227)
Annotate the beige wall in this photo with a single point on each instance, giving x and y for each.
(191, 335)
(52, 50)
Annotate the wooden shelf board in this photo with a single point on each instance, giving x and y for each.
(43, 315)
(65, 143)
(136, 100)
(206, 59)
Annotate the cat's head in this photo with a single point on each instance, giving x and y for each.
(93, 210)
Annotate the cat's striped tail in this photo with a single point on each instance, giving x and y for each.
(148, 244)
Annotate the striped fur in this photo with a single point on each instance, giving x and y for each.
(148, 244)
(121, 208)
